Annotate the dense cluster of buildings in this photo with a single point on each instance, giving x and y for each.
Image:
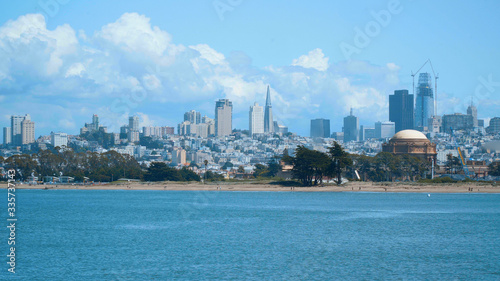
(201, 138)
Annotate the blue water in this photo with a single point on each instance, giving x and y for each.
(188, 235)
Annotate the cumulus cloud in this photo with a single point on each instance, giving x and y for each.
(133, 33)
(131, 66)
(314, 59)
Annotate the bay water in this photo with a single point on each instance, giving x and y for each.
(217, 235)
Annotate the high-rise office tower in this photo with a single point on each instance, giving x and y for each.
(223, 117)
(320, 128)
(27, 130)
(193, 117)
(494, 127)
(366, 133)
(472, 110)
(384, 130)
(401, 110)
(351, 128)
(425, 102)
(457, 121)
(133, 123)
(256, 119)
(268, 114)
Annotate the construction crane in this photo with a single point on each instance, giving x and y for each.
(467, 172)
(436, 76)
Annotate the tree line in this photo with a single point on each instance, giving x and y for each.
(79, 165)
(312, 167)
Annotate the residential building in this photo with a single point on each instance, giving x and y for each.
(15, 129)
(59, 139)
(193, 116)
(27, 130)
(7, 136)
(133, 123)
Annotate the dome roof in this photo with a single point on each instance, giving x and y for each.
(409, 134)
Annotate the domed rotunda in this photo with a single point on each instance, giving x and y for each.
(413, 143)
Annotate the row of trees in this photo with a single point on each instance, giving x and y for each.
(389, 167)
(311, 167)
(94, 166)
(494, 169)
(159, 171)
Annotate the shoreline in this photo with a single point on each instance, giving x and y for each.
(248, 186)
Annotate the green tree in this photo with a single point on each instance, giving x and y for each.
(340, 161)
(227, 165)
(309, 165)
(260, 171)
(241, 169)
(188, 175)
(494, 169)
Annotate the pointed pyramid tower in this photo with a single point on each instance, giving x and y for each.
(268, 114)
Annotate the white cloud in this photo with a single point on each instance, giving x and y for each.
(130, 66)
(75, 70)
(29, 31)
(133, 33)
(66, 124)
(209, 54)
(151, 82)
(315, 59)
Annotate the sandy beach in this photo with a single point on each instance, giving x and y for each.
(260, 186)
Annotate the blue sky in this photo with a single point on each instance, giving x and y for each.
(62, 61)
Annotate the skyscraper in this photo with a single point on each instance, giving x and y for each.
(256, 119)
(351, 128)
(268, 114)
(223, 117)
(425, 102)
(472, 110)
(384, 130)
(401, 110)
(320, 128)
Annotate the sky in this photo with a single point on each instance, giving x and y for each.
(63, 60)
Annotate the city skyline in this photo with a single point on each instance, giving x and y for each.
(71, 68)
